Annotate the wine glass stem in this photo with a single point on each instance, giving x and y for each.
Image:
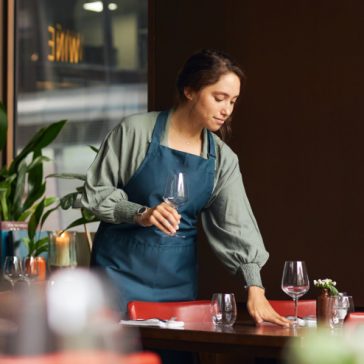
(295, 300)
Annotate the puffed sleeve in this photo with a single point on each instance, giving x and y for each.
(103, 193)
(230, 225)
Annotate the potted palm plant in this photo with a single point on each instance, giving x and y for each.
(23, 186)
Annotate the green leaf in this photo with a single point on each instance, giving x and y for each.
(333, 291)
(35, 219)
(96, 150)
(3, 205)
(35, 179)
(81, 177)
(26, 242)
(25, 214)
(34, 196)
(16, 199)
(79, 222)
(41, 139)
(39, 160)
(68, 200)
(50, 201)
(3, 126)
(46, 214)
(40, 246)
(88, 215)
(80, 190)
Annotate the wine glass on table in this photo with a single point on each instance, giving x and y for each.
(175, 193)
(295, 283)
(339, 307)
(30, 269)
(12, 269)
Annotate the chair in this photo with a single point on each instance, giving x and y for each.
(286, 307)
(142, 358)
(187, 311)
(355, 318)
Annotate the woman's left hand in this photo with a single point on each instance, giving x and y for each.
(260, 309)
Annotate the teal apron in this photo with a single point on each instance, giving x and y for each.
(143, 262)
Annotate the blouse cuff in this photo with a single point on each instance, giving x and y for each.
(125, 211)
(251, 273)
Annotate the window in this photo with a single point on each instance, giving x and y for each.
(84, 61)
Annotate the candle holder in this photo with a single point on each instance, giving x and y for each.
(62, 250)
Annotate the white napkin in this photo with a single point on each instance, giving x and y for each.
(308, 321)
(170, 324)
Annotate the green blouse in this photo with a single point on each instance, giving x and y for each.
(227, 219)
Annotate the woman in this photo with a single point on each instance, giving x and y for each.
(134, 244)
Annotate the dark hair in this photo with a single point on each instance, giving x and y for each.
(205, 68)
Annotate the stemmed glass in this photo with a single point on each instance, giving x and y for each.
(12, 270)
(295, 283)
(30, 269)
(175, 193)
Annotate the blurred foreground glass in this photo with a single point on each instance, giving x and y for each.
(295, 282)
(77, 310)
(62, 250)
(223, 309)
(30, 269)
(12, 270)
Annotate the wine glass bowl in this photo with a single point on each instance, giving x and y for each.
(30, 269)
(223, 309)
(175, 193)
(295, 282)
(12, 269)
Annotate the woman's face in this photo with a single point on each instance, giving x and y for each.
(213, 104)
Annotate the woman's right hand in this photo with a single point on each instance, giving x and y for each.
(163, 216)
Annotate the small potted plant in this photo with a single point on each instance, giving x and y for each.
(327, 289)
(36, 242)
(22, 182)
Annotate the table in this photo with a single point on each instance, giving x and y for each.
(264, 341)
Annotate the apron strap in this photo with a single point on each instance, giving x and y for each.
(160, 126)
(211, 151)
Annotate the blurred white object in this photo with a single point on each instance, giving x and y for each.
(74, 298)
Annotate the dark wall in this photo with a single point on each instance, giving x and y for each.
(298, 130)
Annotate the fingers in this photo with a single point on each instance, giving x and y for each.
(260, 309)
(282, 321)
(165, 218)
(274, 318)
(277, 319)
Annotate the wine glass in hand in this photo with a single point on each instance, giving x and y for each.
(295, 282)
(175, 193)
(12, 270)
